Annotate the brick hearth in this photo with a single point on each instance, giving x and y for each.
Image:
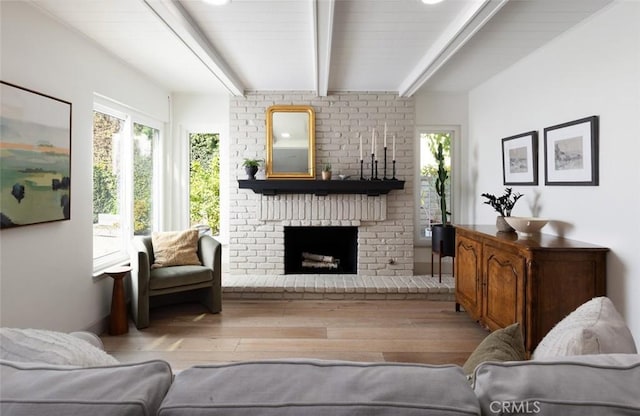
(337, 287)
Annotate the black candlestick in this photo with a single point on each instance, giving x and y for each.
(393, 163)
(375, 178)
(361, 166)
(384, 172)
(372, 156)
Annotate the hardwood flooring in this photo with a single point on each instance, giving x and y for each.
(420, 331)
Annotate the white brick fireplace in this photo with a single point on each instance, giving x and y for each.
(385, 222)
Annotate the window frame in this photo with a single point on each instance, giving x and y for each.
(125, 187)
(420, 239)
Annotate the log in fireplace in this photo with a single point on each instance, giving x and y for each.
(320, 250)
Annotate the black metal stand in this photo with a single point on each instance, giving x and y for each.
(361, 167)
(393, 178)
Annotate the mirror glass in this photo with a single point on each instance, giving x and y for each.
(290, 142)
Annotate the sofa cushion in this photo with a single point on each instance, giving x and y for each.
(317, 387)
(50, 347)
(175, 248)
(505, 344)
(28, 389)
(595, 327)
(603, 384)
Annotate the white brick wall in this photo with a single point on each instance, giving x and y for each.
(385, 223)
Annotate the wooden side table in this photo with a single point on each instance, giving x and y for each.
(118, 322)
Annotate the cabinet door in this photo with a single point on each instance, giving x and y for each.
(504, 288)
(468, 275)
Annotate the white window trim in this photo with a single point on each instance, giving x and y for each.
(419, 238)
(131, 116)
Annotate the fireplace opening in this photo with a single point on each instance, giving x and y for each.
(320, 250)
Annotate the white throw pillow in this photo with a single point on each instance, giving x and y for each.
(595, 327)
(50, 347)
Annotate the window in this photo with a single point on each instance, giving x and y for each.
(429, 212)
(204, 181)
(124, 181)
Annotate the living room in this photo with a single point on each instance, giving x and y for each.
(47, 275)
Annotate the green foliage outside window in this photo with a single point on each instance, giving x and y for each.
(105, 196)
(433, 139)
(142, 179)
(105, 182)
(204, 181)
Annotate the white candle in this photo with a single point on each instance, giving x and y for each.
(360, 138)
(394, 147)
(385, 134)
(373, 141)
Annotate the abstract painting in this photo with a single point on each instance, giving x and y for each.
(35, 157)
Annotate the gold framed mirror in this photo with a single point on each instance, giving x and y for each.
(291, 142)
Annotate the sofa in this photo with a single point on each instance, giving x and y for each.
(38, 376)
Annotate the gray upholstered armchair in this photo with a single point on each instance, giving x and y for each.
(152, 287)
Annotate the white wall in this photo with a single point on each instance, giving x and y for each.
(441, 109)
(46, 269)
(594, 69)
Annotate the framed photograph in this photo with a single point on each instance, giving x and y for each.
(35, 157)
(520, 159)
(571, 153)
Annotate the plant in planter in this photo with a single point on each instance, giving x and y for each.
(326, 172)
(251, 167)
(503, 206)
(443, 236)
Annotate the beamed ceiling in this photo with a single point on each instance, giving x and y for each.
(324, 46)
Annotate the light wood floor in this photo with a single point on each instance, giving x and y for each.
(419, 331)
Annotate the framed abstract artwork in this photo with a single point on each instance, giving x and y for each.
(571, 153)
(35, 157)
(520, 159)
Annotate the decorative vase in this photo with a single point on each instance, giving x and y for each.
(503, 226)
(251, 171)
(326, 175)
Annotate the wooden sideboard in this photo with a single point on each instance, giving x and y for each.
(536, 281)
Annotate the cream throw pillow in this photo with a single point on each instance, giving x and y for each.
(595, 327)
(175, 248)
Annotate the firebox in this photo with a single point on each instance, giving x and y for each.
(320, 250)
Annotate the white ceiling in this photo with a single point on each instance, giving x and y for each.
(320, 45)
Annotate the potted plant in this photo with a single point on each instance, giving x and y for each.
(503, 206)
(326, 172)
(443, 236)
(251, 167)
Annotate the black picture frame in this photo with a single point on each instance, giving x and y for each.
(520, 159)
(35, 162)
(571, 153)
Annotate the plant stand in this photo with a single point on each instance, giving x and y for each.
(443, 240)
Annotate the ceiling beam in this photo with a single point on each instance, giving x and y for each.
(454, 37)
(178, 20)
(322, 15)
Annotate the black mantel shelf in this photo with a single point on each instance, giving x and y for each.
(319, 187)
